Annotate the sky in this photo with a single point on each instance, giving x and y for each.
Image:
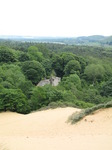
(62, 18)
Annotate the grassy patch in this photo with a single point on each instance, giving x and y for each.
(62, 104)
(80, 115)
(58, 104)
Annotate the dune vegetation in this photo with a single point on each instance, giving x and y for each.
(77, 116)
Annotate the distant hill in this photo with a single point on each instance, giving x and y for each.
(93, 38)
(107, 40)
(82, 40)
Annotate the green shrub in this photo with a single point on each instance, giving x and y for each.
(108, 104)
(33, 70)
(13, 100)
(106, 89)
(80, 115)
(76, 117)
(38, 98)
(53, 105)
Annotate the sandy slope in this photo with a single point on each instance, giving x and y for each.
(48, 130)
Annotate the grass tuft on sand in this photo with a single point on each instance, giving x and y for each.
(77, 116)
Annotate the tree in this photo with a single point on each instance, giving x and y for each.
(57, 65)
(48, 66)
(53, 94)
(34, 71)
(42, 96)
(108, 70)
(26, 87)
(43, 49)
(94, 73)
(6, 55)
(34, 54)
(11, 75)
(83, 63)
(71, 80)
(14, 100)
(38, 98)
(23, 57)
(92, 96)
(106, 89)
(72, 67)
(66, 57)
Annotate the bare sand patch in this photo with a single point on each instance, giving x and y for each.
(48, 130)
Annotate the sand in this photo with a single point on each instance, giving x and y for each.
(49, 130)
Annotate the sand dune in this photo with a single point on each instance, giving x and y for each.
(49, 130)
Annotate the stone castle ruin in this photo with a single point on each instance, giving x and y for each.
(54, 81)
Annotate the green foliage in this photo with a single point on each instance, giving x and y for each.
(7, 55)
(23, 57)
(55, 104)
(68, 96)
(72, 67)
(70, 80)
(38, 98)
(95, 73)
(55, 97)
(57, 65)
(85, 71)
(48, 66)
(66, 57)
(108, 104)
(81, 114)
(11, 76)
(34, 71)
(43, 49)
(13, 100)
(83, 62)
(108, 70)
(53, 94)
(26, 87)
(106, 89)
(92, 96)
(42, 96)
(34, 54)
(74, 118)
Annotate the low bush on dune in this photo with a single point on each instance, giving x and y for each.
(76, 104)
(109, 104)
(58, 104)
(62, 104)
(74, 118)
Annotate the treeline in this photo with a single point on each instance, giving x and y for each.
(96, 40)
(85, 76)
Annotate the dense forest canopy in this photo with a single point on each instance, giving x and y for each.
(85, 72)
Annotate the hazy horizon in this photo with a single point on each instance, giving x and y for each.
(55, 18)
(36, 36)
